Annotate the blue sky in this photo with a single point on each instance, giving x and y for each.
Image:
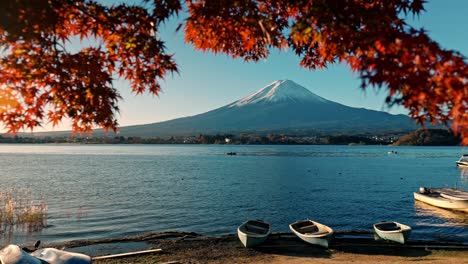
(208, 81)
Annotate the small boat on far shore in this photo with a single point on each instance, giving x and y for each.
(253, 232)
(231, 153)
(462, 162)
(444, 198)
(392, 231)
(312, 232)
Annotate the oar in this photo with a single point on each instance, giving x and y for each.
(128, 254)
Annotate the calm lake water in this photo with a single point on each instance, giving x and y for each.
(102, 191)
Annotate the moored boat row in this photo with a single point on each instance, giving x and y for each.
(254, 232)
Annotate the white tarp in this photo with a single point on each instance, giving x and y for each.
(12, 254)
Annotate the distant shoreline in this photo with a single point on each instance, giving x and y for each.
(243, 139)
(422, 137)
(215, 144)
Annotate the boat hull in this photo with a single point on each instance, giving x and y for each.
(250, 239)
(323, 242)
(463, 161)
(321, 238)
(400, 236)
(436, 199)
(462, 164)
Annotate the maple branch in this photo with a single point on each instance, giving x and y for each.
(340, 18)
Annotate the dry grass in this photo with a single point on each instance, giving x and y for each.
(17, 208)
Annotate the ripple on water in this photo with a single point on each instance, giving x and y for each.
(109, 191)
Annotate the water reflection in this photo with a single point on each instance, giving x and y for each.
(8, 233)
(464, 174)
(453, 218)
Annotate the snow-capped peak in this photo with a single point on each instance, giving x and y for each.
(277, 91)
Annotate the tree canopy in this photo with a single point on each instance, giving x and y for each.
(43, 81)
(429, 137)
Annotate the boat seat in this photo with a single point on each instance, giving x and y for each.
(255, 229)
(317, 233)
(257, 224)
(308, 229)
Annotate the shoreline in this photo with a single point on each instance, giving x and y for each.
(189, 247)
(341, 239)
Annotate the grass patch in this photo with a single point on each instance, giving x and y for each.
(18, 208)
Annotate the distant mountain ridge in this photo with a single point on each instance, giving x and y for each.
(283, 106)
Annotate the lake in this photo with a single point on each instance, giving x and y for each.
(102, 191)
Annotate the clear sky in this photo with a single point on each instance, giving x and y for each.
(208, 81)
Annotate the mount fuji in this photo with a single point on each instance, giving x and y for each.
(280, 107)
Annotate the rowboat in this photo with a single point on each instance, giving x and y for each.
(253, 232)
(392, 231)
(444, 198)
(312, 232)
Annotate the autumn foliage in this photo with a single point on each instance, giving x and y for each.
(43, 80)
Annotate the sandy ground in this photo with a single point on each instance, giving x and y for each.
(228, 249)
(337, 258)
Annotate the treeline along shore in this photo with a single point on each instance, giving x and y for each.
(422, 137)
(220, 139)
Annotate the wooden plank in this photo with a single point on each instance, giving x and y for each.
(128, 254)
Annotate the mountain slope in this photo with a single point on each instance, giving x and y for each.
(282, 106)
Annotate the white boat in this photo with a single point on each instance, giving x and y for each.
(462, 162)
(253, 232)
(454, 194)
(392, 231)
(312, 232)
(444, 198)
